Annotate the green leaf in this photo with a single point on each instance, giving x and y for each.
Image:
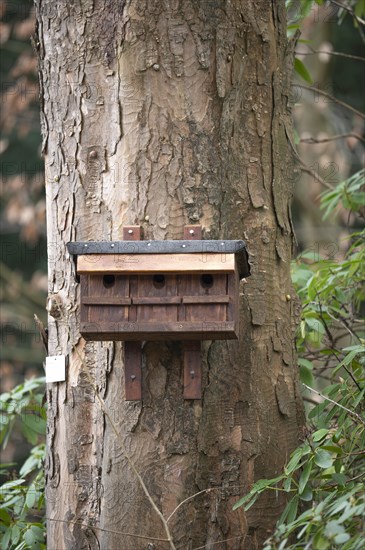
(342, 537)
(290, 511)
(38, 533)
(15, 534)
(333, 528)
(295, 459)
(303, 480)
(6, 539)
(323, 459)
(306, 376)
(320, 434)
(5, 517)
(29, 537)
(30, 497)
(307, 494)
(302, 70)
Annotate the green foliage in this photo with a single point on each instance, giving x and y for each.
(22, 498)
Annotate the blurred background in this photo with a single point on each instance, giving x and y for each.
(329, 140)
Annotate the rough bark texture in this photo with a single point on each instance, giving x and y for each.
(164, 114)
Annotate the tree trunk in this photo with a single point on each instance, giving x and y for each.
(165, 114)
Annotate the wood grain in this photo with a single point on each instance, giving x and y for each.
(156, 263)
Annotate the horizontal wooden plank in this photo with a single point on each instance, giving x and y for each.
(206, 299)
(156, 263)
(157, 300)
(181, 330)
(106, 301)
(153, 300)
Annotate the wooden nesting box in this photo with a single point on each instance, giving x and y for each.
(160, 290)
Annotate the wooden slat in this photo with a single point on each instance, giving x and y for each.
(157, 300)
(156, 263)
(192, 370)
(180, 330)
(106, 301)
(207, 299)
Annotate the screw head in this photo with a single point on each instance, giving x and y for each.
(130, 231)
(112, 245)
(133, 376)
(191, 231)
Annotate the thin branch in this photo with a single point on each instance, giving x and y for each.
(350, 374)
(332, 138)
(349, 10)
(332, 98)
(352, 413)
(189, 498)
(304, 166)
(339, 54)
(105, 530)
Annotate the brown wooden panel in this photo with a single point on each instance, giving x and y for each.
(233, 290)
(159, 330)
(133, 371)
(118, 290)
(106, 300)
(84, 289)
(192, 370)
(149, 288)
(156, 263)
(210, 312)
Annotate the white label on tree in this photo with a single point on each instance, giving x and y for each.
(56, 368)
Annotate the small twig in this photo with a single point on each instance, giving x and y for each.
(322, 92)
(349, 10)
(105, 530)
(349, 373)
(339, 54)
(189, 498)
(303, 165)
(352, 413)
(314, 141)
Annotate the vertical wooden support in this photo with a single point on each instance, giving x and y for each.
(132, 350)
(191, 349)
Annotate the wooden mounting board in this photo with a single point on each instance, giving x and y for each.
(156, 263)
